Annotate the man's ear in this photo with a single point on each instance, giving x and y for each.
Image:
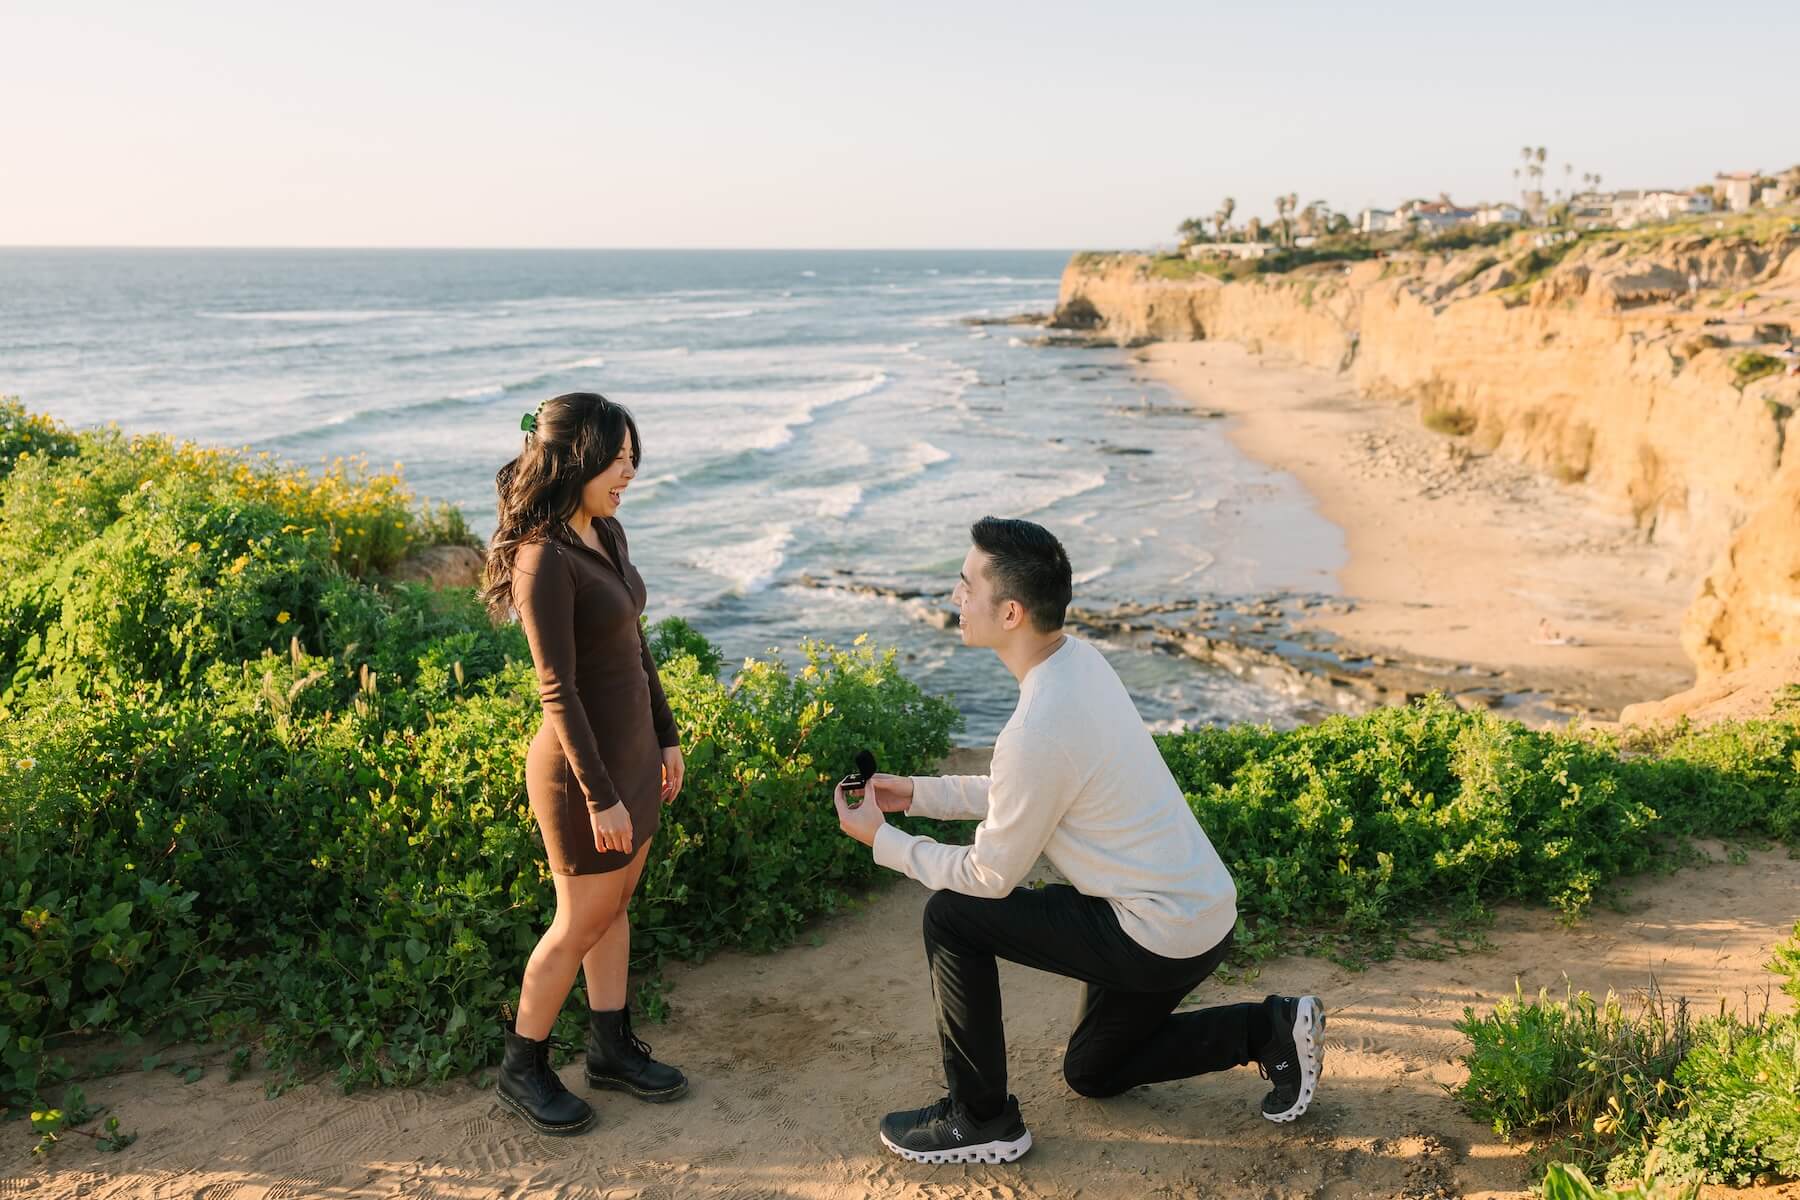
(1013, 616)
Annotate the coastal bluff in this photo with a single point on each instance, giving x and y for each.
(1645, 371)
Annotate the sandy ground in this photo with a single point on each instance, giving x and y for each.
(795, 1056)
(1450, 556)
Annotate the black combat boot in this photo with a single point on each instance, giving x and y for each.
(619, 1059)
(530, 1088)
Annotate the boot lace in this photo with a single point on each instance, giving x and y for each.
(629, 1040)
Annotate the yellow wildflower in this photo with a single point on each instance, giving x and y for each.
(282, 618)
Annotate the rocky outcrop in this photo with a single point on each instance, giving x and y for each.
(1615, 366)
(440, 566)
(1750, 692)
(1748, 607)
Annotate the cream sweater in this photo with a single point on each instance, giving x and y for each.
(1077, 779)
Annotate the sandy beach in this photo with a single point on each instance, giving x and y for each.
(796, 1055)
(1453, 556)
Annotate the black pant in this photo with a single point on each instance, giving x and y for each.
(1128, 1033)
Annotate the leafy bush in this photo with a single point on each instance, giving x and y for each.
(1752, 365)
(1537, 262)
(56, 501)
(1580, 1065)
(1786, 963)
(28, 433)
(1565, 1182)
(248, 793)
(1646, 1092)
(1741, 1116)
(1463, 237)
(672, 637)
(1358, 826)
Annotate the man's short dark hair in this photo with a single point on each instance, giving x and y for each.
(1027, 564)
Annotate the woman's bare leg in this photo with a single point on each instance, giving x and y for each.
(586, 906)
(605, 964)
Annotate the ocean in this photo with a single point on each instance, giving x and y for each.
(809, 419)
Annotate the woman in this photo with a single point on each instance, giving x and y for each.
(606, 753)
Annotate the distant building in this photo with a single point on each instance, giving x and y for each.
(1434, 216)
(1376, 220)
(1669, 205)
(1737, 189)
(1588, 210)
(1249, 250)
(1785, 188)
(1499, 214)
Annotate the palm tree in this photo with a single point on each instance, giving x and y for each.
(1223, 216)
(1315, 219)
(1254, 229)
(1284, 209)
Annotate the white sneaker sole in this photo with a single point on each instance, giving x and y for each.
(985, 1152)
(1309, 1041)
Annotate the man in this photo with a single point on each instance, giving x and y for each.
(1151, 911)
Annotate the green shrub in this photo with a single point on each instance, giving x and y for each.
(24, 433)
(1537, 262)
(1752, 365)
(1741, 1117)
(248, 794)
(1463, 237)
(1643, 1092)
(1359, 826)
(673, 637)
(1565, 1182)
(1786, 963)
(1594, 1070)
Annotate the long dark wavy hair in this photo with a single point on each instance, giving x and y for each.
(577, 437)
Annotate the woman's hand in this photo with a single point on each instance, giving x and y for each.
(674, 771)
(612, 829)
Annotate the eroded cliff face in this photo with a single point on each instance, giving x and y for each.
(1618, 369)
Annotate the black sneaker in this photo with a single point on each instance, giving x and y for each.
(945, 1133)
(1294, 1056)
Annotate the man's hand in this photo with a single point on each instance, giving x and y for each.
(893, 793)
(862, 822)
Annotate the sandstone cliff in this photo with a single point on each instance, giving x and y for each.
(1624, 365)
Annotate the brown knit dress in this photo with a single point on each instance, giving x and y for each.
(606, 720)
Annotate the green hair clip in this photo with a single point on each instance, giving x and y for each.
(528, 422)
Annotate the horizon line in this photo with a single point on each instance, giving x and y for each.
(544, 249)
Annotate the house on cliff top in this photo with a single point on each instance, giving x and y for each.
(1737, 189)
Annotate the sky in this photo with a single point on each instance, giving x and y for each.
(854, 125)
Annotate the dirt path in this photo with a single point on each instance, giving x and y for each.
(796, 1055)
